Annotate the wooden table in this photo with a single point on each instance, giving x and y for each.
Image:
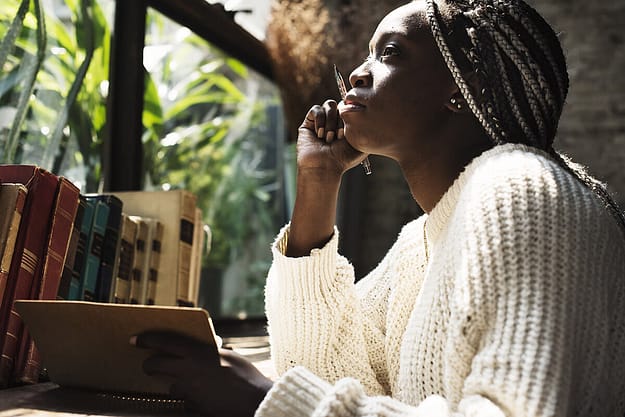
(50, 399)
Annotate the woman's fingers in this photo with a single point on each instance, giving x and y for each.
(325, 121)
(174, 344)
(315, 121)
(332, 118)
(172, 366)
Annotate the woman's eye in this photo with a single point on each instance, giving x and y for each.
(389, 50)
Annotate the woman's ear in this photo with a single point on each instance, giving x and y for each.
(457, 103)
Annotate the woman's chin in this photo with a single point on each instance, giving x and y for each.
(355, 138)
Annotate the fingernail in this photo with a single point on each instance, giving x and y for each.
(133, 340)
(320, 132)
(341, 134)
(330, 136)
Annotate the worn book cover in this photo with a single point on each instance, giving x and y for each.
(46, 287)
(79, 354)
(29, 249)
(12, 199)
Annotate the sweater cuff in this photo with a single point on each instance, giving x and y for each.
(296, 394)
(321, 262)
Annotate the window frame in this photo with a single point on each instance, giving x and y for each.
(122, 151)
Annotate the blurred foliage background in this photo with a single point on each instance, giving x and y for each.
(211, 126)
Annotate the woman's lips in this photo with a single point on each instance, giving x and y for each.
(351, 104)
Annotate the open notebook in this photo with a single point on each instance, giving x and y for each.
(86, 345)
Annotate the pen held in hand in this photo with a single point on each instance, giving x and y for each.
(366, 165)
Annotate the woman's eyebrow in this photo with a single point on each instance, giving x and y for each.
(384, 37)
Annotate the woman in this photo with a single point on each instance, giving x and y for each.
(505, 299)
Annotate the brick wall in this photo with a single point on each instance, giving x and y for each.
(592, 128)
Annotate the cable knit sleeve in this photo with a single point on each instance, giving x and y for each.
(316, 317)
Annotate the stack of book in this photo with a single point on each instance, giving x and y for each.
(141, 247)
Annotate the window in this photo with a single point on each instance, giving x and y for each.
(210, 124)
(214, 126)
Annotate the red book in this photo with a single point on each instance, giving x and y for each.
(28, 363)
(29, 250)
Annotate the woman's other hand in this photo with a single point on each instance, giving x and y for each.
(321, 143)
(212, 381)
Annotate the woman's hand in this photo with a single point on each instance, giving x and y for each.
(321, 143)
(323, 156)
(212, 381)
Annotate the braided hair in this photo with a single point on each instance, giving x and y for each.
(519, 63)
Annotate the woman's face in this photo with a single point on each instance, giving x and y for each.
(398, 98)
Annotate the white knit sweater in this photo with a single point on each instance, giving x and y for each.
(520, 310)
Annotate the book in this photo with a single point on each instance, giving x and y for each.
(70, 259)
(197, 253)
(139, 261)
(125, 261)
(155, 238)
(12, 199)
(93, 255)
(29, 249)
(81, 249)
(27, 364)
(176, 210)
(205, 246)
(78, 354)
(110, 247)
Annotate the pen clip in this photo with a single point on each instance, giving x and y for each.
(366, 165)
(340, 82)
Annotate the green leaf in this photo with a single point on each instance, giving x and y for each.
(53, 145)
(9, 82)
(152, 109)
(8, 41)
(237, 67)
(31, 66)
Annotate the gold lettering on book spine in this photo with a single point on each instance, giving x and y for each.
(29, 261)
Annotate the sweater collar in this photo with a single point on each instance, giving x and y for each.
(439, 215)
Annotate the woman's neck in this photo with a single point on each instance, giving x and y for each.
(434, 173)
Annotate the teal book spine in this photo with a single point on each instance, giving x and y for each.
(81, 249)
(70, 259)
(94, 251)
(110, 248)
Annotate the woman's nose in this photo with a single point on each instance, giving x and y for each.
(361, 76)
